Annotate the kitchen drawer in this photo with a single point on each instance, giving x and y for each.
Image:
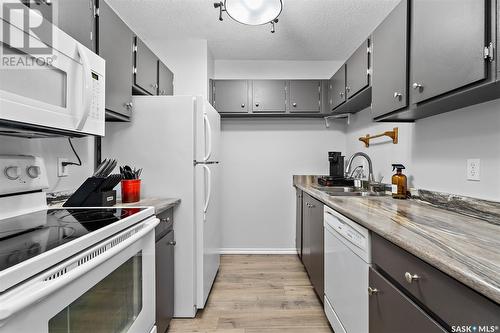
(392, 312)
(452, 302)
(166, 223)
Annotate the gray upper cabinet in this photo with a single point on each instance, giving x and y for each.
(74, 17)
(336, 88)
(165, 80)
(304, 96)
(390, 54)
(115, 46)
(269, 96)
(357, 70)
(146, 68)
(390, 311)
(230, 96)
(448, 39)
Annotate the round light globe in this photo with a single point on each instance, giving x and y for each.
(253, 12)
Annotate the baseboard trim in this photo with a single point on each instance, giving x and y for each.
(258, 251)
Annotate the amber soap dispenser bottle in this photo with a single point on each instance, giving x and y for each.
(399, 182)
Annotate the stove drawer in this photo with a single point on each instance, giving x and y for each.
(449, 300)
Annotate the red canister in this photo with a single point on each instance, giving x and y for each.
(131, 190)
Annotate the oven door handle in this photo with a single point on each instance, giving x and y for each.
(16, 301)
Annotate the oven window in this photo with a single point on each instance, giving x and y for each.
(110, 306)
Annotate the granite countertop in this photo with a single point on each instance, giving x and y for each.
(464, 247)
(159, 204)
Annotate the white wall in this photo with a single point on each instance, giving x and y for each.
(261, 156)
(259, 159)
(274, 69)
(188, 60)
(435, 149)
(50, 150)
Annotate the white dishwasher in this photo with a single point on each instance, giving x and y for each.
(347, 259)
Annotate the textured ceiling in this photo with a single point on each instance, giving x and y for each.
(308, 29)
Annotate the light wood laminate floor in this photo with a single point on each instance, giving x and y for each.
(259, 294)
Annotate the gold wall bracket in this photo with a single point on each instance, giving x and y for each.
(391, 134)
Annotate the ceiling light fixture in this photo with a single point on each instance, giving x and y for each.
(251, 12)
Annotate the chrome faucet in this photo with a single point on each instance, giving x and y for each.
(371, 178)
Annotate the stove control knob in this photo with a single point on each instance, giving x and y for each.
(33, 171)
(11, 172)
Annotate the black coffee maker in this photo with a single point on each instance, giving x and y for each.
(336, 177)
(336, 161)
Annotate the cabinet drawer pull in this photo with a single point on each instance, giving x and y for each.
(243, 105)
(418, 86)
(341, 94)
(398, 95)
(165, 220)
(172, 243)
(294, 105)
(411, 277)
(257, 104)
(372, 291)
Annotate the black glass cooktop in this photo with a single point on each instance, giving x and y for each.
(26, 236)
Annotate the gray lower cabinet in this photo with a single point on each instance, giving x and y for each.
(164, 270)
(447, 43)
(115, 46)
(304, 96)
(390, 61)
(269, 96)
(74, 17)
(146, 68)
(313, 242)
(357, 77)
(390, 311)
(298, 223)
(336, 89)
(452, 302)
(165, 80)
(230, 96)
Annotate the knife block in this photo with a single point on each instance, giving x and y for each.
(100, 199)
(95, 192)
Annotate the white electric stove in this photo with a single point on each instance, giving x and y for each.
(71, 269)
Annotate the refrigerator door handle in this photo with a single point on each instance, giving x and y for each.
(209, 189)
(208, 129)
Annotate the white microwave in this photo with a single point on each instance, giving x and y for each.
(49, 82)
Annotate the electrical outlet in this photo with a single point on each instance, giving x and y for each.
(62, 171)
(473, 169)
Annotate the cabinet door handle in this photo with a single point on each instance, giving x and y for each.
(294, 105)
(172, 243)
(418, 86)
(411, 277)
(129, 105)
(165, 220)
(257, 104)
(348, 89)
(242, 105)
(398, 95)
(372, 291)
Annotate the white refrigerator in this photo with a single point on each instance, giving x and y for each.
(175, 139)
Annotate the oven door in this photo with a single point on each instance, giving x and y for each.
(108, 288)
(59, 84)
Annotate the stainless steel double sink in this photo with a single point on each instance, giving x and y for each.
(348, 191)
